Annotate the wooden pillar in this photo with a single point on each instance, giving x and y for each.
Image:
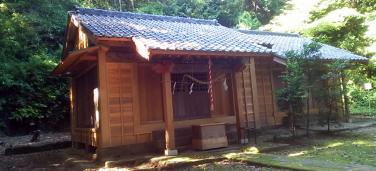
(274, 99)
(73, 115)
(168, 115)
(239, 104)
(254, 92)
(104, 138)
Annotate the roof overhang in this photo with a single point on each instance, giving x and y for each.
(75, 58)
(279, 60)
(148, 53)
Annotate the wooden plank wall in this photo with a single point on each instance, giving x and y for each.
(83, 111)
(223, 99)
(244, 96)
(85, 84)
(278, 84)
(265, 93)
(150, 94)
(123, 104)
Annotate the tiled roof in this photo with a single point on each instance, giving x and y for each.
(167, 33)
(284, 42)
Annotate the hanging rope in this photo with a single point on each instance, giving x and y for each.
(210, 87)
(219, 77)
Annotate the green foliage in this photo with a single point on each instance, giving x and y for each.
(152, 8)
(364, 110)
(362, 6)
(344, 24)
(248, 14)
(332, 93)
(32, 35)
(293, 93)
(248, 20)
(308, 77)
(29, 50)
(301, 74)
(343, 28)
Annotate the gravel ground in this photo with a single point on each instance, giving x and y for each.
(44, 138)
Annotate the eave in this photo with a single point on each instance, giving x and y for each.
(75, 58)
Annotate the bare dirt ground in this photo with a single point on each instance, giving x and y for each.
(226, 165)
(72, 159)
(64, 159)
(44, 138)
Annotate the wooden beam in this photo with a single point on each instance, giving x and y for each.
(72, 93)
(82, 39)
(89, 35)
(168, 115)
(126, 57)
(254, 92)
(104, 138)
(145, 128)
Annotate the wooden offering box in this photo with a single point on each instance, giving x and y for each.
(209, 136)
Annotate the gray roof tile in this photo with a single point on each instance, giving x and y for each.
(167, 32)
(284, 42)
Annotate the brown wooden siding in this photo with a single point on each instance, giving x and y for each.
(122, 104)
(265, 93)
(84, 87)
(244, 97)
(150, 94)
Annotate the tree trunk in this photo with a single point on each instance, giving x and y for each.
(120, 6)
(345, 98)
(292, 120)
(330, 112)
(132, 4)
(308, 113)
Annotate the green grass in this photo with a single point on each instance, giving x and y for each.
(350, 150)
(345, 151)
(347, 148)
(363, 111)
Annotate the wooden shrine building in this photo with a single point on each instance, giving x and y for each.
(145, 80)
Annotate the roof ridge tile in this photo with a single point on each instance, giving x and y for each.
(270, 33)
(102, 12)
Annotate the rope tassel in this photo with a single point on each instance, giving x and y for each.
(210, 88)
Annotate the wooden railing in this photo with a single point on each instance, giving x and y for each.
(85, 135)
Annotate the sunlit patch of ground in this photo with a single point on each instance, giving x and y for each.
(356, 147)
(226, 165)
(345, 151)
